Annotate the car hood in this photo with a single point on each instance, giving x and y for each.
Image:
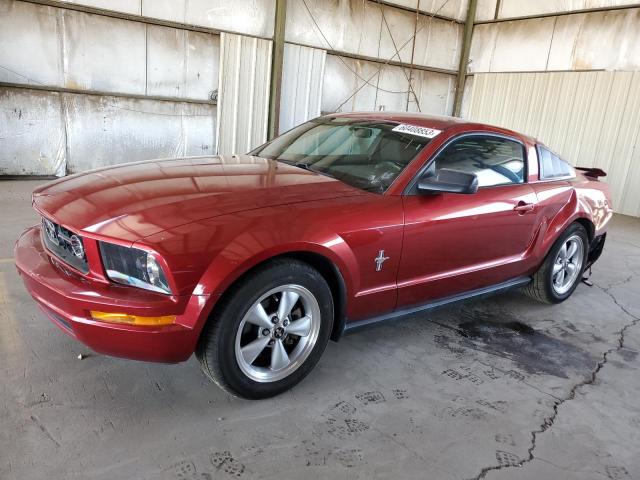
(135, 200)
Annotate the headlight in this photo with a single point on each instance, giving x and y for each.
(135, 267)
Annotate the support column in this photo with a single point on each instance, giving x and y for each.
(413, 51)
(276, 68)
(464, 56)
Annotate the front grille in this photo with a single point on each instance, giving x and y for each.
(65, 245)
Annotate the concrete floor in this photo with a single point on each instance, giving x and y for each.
(501, 388)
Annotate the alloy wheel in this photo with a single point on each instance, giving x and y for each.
(277, 333)
(568, 264)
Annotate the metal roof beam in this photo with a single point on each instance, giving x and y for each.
(277, 61)
(560, 14)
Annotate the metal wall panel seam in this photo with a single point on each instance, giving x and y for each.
(254, 61)
(307, 93)
(341, 53)
(98, 93)
(321, 83)
(236, 92)
(221, 88)
(266, 97)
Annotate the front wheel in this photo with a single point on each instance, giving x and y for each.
(563, 267)
(269, 331)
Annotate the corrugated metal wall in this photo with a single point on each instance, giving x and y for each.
(54, 47)
(607, 40)
(251, 17)
(243, 97)
(302, 79)
(589, 118)
(358, 27)
(359, 85)
(110, 81)
(107, 86)
(53, 133)
(378, 31)
(83, 90)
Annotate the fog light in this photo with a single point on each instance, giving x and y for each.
(132, 319)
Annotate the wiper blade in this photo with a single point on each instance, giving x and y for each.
(307, 166)
(303, 165)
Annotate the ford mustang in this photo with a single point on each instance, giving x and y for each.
(255, 261)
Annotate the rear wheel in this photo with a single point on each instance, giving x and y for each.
(269, 331)
(562, 270)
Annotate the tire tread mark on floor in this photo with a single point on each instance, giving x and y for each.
(549, 421)
(44, 430)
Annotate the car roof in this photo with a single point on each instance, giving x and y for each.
(440, 122)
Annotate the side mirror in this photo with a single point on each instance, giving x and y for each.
(449, 181)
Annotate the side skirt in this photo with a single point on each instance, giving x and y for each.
(443, 302)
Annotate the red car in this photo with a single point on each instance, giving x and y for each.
(255, 261)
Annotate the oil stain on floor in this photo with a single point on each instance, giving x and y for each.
(534, 351)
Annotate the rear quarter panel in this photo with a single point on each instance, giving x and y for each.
(594, 201)
(563, 202)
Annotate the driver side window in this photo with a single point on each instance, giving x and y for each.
(494, 160)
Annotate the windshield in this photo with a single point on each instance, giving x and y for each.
(364, 154)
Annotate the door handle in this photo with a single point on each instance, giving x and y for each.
(523, 207)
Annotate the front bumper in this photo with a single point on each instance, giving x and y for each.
(67, 298)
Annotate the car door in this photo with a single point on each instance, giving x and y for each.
(455, 243)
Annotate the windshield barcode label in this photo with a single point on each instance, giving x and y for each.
(420, 131)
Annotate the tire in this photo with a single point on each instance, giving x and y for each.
(545, 285)
(252, 317)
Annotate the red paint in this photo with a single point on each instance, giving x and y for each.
(211, 219)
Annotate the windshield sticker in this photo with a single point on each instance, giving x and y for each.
(419, 131)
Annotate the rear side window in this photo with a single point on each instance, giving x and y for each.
(552, 166)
